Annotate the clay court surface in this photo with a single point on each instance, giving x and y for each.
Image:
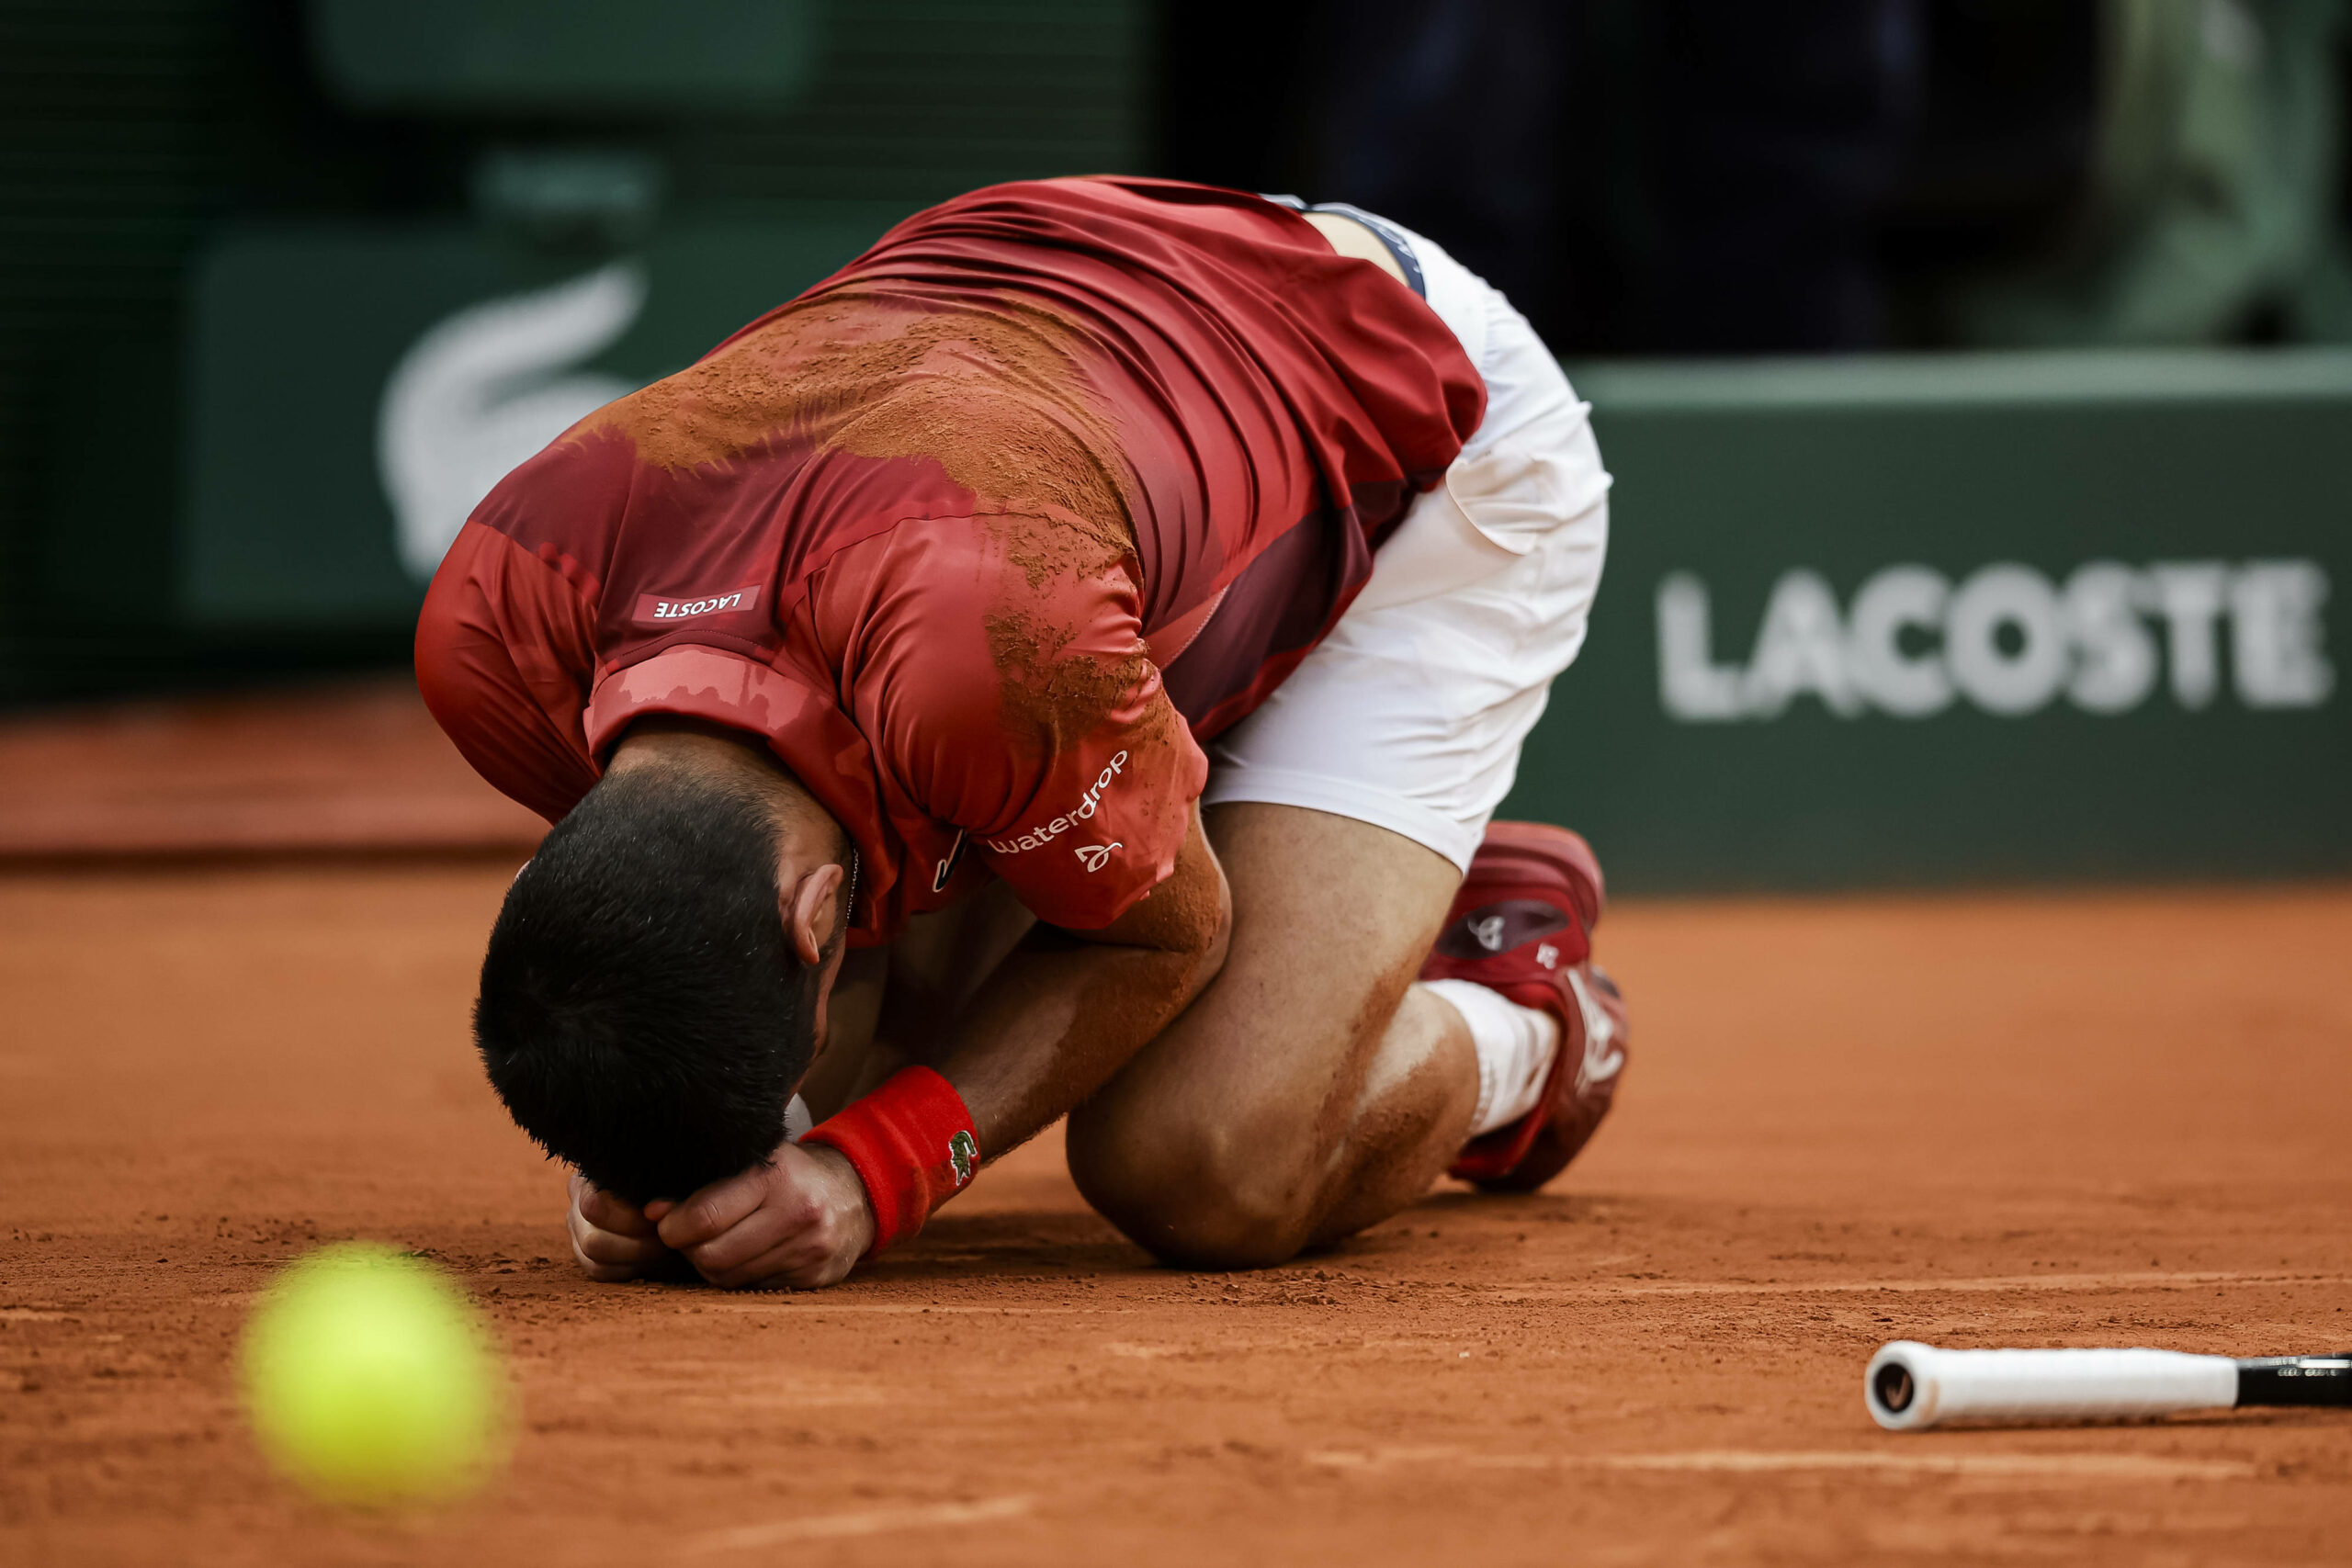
(2080, 1119)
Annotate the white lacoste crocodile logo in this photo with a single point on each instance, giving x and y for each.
(485, 389)
(1490, 932)
(1096, 855)
(1602, 1057)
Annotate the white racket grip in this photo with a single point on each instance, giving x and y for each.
(2038, 1385)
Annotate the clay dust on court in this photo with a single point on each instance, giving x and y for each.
(2084, 1119)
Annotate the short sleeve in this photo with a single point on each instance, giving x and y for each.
(1007, 691)
(503, 657)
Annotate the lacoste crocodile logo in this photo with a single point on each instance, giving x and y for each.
(486, 387)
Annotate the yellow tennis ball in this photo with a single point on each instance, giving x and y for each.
(370, 1379)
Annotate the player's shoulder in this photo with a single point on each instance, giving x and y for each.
(981, 566)
(909, 610)
(981, 624)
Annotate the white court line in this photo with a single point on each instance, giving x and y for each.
(792, 1301)
(800, 1301)
(871, 1521)
(2076, 1466)
(2144, 1279)
(2115, 1467)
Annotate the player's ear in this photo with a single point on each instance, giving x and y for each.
(814, 908)
(811, 907)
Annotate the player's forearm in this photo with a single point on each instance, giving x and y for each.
(1056, 1021)
(1058, 1014)
(1064, 1011)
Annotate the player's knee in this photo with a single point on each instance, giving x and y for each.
(1191, 1195)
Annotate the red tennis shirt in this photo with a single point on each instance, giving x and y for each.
(982, 534)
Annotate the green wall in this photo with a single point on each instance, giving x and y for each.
(1908, 621)
(154, 145)
(1996, 618)
(295, 510)
(2108, 659)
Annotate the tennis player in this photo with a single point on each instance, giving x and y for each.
(1064, 663)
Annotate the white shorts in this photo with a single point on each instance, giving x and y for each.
(1410, 715)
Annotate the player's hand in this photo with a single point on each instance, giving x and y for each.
(611, 1239)
(801, 1221)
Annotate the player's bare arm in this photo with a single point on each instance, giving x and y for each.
(1066, 1008)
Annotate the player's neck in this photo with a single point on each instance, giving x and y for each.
(811, 835)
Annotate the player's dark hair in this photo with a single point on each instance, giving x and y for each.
(642, 1012)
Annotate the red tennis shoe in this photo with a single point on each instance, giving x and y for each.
(1522, 925)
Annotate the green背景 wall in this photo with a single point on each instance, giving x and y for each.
(161, 148)
(356, 389)
(1996, 618)
(1988, 618)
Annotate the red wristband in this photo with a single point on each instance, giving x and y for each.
(912, 1144)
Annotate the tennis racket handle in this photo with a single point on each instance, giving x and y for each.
(2296, 1380)
(1910, 1386)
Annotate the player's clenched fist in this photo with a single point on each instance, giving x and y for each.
(611, 1238)
(800, 1220)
